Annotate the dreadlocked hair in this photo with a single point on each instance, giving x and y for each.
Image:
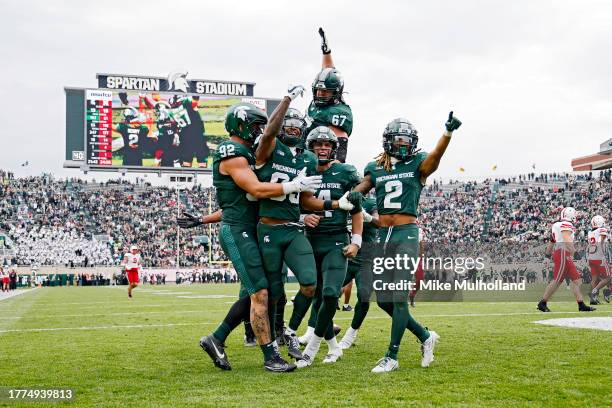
(384, 160)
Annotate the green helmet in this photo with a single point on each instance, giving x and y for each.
(293, 119)
(323, 134)
(245, 121)
(328, 79)
(130, 114)
(400, 129)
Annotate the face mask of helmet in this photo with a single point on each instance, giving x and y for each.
(331, 148)
(402, 146)
(256, 129)
(291, 132)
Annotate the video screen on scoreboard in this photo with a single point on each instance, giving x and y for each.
(155, 130)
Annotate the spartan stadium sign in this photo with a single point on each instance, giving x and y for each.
(175, 82)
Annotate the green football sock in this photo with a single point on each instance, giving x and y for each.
(361, 310)
(398, 327)
(314, 311)
(222, 332)
(272, 305)
(326, 315)
(268, 351)
(301, 304)
(387, 307)
(419, 331)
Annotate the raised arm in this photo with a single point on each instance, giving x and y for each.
(432, 161)
(266, 144)
(327, 61)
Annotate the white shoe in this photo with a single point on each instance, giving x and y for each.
(386, 365)
(333, 356)
(304, 339)
(427, 349)
(306, 361)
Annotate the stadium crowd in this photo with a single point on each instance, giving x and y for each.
(72, 222)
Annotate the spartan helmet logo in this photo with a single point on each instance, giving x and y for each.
(241, 113)
(177, 81)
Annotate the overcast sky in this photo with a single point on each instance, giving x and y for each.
(531, 80)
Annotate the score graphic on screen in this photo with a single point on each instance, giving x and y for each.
(99, 117)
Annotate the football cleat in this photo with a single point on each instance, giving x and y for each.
(337, 329)
(427, 349)
(346, 342)
(293, 346)
(584, 308)
(386, 365)
(607, 295)
(249, 341)
(593, 299)
(216, 352)
(542, 307)
(278, 364)
(333, 356)
(347, 308)
(306, 361)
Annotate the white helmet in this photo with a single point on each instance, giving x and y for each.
(568, 214)
(133, 248)
(598, 221)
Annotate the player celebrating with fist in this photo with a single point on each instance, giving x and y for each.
(330, 242)
(398, 175)
(132, 263)
(328, 107)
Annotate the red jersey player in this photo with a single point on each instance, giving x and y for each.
(562, 248)
(597, 253)
(132, 263)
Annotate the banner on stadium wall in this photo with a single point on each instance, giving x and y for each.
(175, 82)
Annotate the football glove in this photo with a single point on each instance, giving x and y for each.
(355, 198)
(367, 218)
(344, 203)
(324, 45)
(123, 97)
(452, 123)
(294, 91)
(188, 221)
(302, 182)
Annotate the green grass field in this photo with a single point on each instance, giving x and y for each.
(115, 351)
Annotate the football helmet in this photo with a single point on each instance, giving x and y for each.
(598, 221)
(400, 139)
(328, 79)
(177, 100)
(568, 214)
(162, 110)
(246, 121)
(293, 120)
(323, 134)
(130, 114)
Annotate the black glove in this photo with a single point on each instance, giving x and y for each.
(355, 198)
(123, 97)
(452, 123)
(324, 46)
(188, 221)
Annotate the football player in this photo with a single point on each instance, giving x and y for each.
(562, 248)
(330, 241)
(281, 236)
(132, 263)
(597, 255)
(134, 136)
(167, 132)
(398, 175)
(191, 130)
(328, 107)
(238, 190)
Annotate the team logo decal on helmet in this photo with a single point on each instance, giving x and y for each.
(130, 114)
(323, 134)
(568, 214)
(246, 121)
(598, 222)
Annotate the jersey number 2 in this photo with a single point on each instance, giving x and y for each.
(393, 189)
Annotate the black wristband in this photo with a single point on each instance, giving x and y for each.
(328, 205)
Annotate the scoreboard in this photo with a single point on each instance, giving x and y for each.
(99, 124)
(147, 131)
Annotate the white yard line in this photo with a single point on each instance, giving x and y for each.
(132, 326)
(5, 296)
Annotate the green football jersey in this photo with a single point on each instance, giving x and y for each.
(398, 191)
(238, 206)
(370, 232)
(339, 115)
(337, 180)
(284, 166)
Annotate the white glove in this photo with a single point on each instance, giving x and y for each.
(302, 182)
(366, 217)
(344, 203)
(294, 91)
